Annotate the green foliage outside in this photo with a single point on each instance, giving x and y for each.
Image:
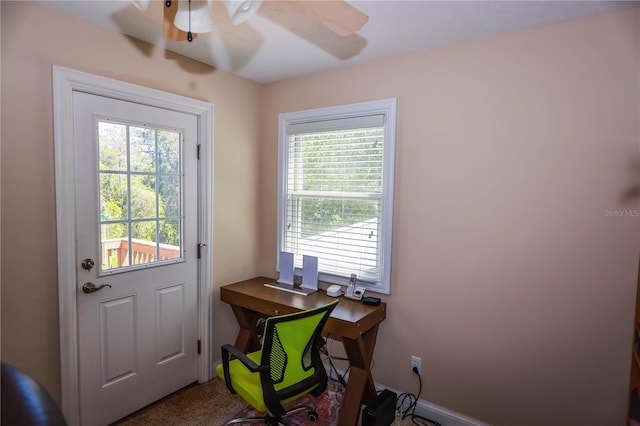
(325, 166)
(147, 188)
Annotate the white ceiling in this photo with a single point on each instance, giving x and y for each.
(279, 43)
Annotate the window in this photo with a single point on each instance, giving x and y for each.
(139, 180)
(335, 190)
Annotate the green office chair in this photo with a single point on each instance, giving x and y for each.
(287, 367)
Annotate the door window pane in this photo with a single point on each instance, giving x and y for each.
(113, 146)
(144, 246)
(168, 151)
(114, 203)
(114, 245)
(143, 196)
(140, 204)
(169, 196)
(143, 149)
(168, 238)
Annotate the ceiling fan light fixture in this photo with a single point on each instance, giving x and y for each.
(241, 10)
(194, 16)
(142, 5)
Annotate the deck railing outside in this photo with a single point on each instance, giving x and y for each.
(116, 252)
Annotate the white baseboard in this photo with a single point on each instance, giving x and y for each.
(429, 410)
(442, 415)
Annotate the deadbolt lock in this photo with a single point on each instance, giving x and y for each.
(87, 264)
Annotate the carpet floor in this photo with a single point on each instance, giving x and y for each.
(211, 404)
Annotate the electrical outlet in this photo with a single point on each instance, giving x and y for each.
(416, 362)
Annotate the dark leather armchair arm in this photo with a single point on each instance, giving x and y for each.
(25, 402)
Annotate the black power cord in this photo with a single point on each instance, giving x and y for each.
(412, 401)
(325, 349)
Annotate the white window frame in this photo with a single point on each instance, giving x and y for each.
(385, 107)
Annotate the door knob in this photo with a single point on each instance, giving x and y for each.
(91, 287)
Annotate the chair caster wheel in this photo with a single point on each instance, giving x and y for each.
(313, 416)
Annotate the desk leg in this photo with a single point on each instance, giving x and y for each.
(247, 339)
(360, 386)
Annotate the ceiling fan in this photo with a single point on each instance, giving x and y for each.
(184, 19)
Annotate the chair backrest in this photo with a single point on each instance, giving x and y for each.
(291, 347)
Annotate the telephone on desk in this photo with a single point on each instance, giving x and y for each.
(353, 291)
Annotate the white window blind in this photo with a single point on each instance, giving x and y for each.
(335, 194)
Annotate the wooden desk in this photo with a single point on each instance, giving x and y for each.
(351, 322)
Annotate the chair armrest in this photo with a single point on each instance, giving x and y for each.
(244, 359)
(227, 351)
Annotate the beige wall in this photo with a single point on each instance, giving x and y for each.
(508, 278)
(33, 38)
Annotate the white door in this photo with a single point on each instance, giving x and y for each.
(136, 230)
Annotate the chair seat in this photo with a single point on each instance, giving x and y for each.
(247, 384)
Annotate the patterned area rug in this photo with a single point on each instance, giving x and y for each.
(327, 405)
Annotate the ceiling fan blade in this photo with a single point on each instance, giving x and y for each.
(339, 16)
(169, 30)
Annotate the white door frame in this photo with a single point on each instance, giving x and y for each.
(65, 82)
